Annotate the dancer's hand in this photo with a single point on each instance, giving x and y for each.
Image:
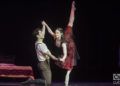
(43, 23)
(58, 59)
(62, 59)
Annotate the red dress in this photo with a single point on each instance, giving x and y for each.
(70, 59)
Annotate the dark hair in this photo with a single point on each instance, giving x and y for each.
(61, 31)
(35, 32)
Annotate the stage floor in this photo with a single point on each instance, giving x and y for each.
(59, 84)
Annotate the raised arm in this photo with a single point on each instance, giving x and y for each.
(49, 29)
(43, 28)
(72, 14)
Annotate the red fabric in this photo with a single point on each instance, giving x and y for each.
(68, 30)
(16, 71)
(69, 61)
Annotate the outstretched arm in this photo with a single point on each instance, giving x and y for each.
(48, 53)
(49, 29)
(52, 56)
(72, 14)
(45, 51)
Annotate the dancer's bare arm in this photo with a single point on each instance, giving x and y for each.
(48, 53)
(43, 28)
(64, 47)
(49, 29)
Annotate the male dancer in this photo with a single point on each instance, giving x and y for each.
(43, 55)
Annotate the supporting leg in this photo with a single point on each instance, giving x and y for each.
(67, 77)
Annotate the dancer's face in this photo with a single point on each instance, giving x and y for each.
(40, 35)
(58, 34)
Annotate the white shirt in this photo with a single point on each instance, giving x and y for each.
(40, 49)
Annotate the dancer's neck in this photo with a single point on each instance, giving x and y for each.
(39, 41)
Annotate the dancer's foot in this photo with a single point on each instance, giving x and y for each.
(27, 81)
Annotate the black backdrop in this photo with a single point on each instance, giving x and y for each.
(95, 30)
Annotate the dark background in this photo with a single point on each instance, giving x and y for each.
(96, 33)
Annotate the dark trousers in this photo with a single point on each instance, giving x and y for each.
(44, 67)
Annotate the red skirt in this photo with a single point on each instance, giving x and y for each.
(70, 59)
(67, 64)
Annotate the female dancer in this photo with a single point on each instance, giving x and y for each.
(66, 45)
